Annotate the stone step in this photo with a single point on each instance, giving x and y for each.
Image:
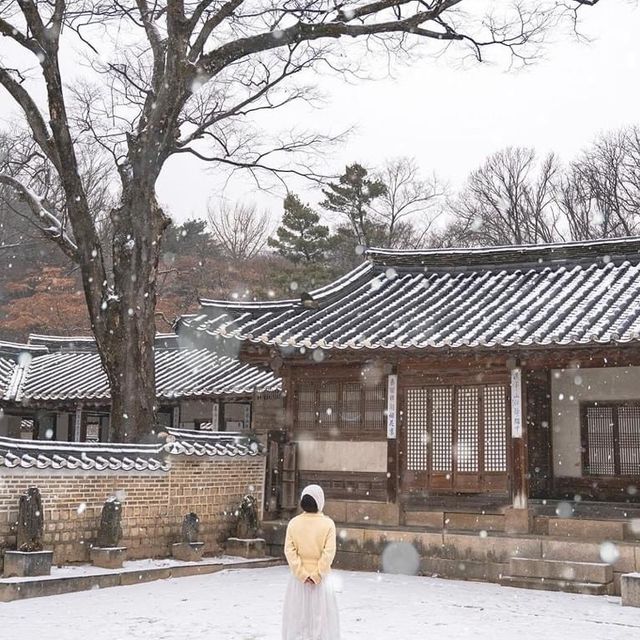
(564, 570)
(545, 584)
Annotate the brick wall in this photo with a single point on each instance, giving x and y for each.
(154, 503)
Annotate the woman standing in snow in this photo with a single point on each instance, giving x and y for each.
(310, 609)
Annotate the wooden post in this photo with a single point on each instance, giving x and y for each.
(215, 416)
(77, 425)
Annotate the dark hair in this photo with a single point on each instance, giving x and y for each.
(309, 504)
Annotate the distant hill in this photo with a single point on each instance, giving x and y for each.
(41, 292)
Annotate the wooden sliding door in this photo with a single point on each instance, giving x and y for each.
(455, 438)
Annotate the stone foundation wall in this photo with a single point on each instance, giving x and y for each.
(154, 503)
(462, 555)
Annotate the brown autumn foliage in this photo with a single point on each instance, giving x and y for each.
(48, 298)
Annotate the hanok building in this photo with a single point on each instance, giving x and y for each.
(460, 390)
(55, 388)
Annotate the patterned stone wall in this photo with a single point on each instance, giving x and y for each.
(154, 503)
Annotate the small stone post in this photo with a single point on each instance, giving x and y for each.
(107, 553)
(189, 549)
(245, 544)
(29, 559)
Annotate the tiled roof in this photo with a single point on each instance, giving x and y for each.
(188, 373)
(88, 343)
(7, 366)
(180, 373)
(563, 294)
(84, 456)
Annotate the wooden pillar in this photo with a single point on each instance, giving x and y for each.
(175, 418)
(77, 424)
(215, 416)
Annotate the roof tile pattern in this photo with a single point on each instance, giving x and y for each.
(7, 366)
(25, 454)
(482, 299)
(180, 373)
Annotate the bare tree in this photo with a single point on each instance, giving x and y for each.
(406, 207)
(509, 200)
(600, 194)
(240, 230)
(171, 78)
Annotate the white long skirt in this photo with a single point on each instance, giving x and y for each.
(310, 611)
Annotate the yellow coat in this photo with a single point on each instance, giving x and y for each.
(310, 546)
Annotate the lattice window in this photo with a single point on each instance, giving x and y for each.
(600, 440)
(468, 428)
(328, 409)
(611, 438)
(351, 405)
(307, 417)
(418, 429)
(335, 406)
(442, 428)
(375, 400)
(495, 428)
(629, 439)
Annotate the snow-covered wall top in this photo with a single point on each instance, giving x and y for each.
(82, 456)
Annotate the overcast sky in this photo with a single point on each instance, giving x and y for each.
(449, 118)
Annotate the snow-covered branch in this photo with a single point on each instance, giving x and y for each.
(49, 224)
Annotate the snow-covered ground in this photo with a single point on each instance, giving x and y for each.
(245, 605)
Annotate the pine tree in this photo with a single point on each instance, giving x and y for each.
(300, 238)
(352, 197)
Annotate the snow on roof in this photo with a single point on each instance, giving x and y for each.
(180, 373)
(7, 367)
(15, 348)
(508, 254)
(87, 343)
(85, 456)
(562, 294)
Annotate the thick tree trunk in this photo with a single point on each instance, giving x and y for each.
(125, 328)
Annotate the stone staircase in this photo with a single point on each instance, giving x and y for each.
(593, 578)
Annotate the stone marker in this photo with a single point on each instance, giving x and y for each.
(247, 524)
(110, 531)
(190, 549)
(245, 543)
(191, 528)
(29, 559)
(30, 530)
(107, 553)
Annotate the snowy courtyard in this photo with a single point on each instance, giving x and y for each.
(246, 605)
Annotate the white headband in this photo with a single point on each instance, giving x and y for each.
(316, 492)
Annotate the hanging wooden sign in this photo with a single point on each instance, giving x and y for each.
(516, 403)
(392, 408)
